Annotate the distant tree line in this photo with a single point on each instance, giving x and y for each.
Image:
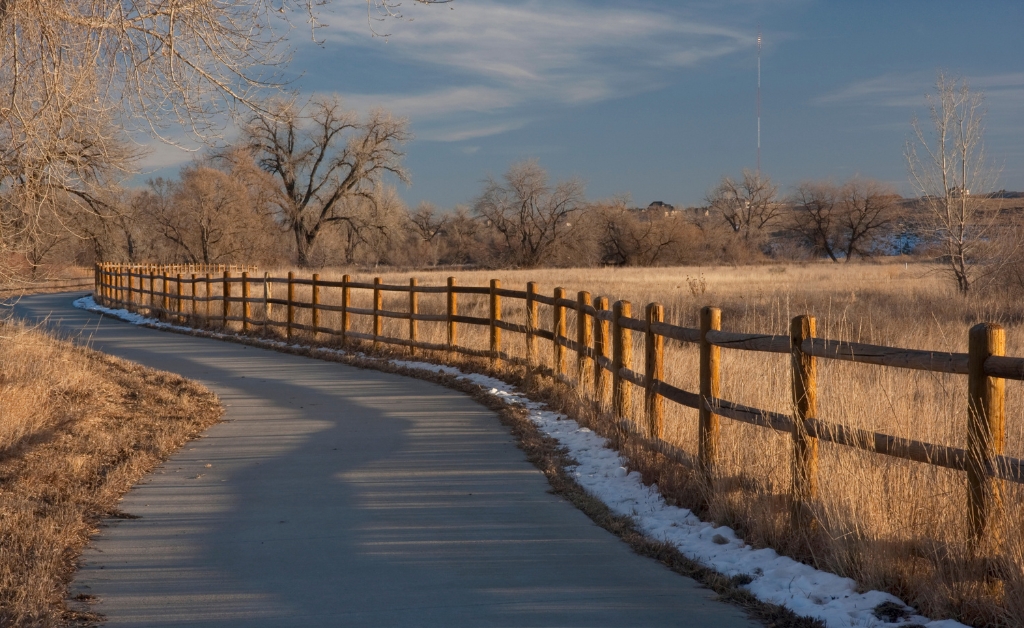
(309, 186)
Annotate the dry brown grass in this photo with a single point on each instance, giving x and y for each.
(889, 524)
(77, 429)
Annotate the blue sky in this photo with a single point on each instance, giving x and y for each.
(657, 100)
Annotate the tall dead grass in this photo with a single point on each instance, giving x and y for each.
(77, 429)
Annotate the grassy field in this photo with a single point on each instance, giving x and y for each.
(77, 429)
(890, 524)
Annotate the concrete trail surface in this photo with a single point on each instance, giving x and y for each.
(334, 496)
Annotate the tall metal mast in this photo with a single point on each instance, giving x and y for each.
(759, 102)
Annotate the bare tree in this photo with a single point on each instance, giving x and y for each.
(748, 206)
(463, 238)
(632, 237)
(76, 72)
(324, 162)
(868, 211)
(210, 218)
(530, 216)
(427, 226)
(816, 217)
(947, 166)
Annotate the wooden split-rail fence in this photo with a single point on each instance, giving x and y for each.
(603, 347)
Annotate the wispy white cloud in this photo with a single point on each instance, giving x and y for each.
(500, 59)
(459, 134)
(908, 90)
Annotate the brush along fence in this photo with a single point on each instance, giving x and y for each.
(603, 347)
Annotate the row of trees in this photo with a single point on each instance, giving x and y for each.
(291, 201)
(306, 184)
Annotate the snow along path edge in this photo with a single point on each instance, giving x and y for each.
(601, 472)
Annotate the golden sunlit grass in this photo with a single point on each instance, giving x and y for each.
(890, 524)
(77, 429)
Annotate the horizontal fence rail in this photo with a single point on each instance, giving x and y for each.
(603, 346)
(69, 283)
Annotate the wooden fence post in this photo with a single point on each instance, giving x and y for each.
(583, 338)
(414, 310)
(180, 305)
(602, 385)
(152, 291)
(96, 284)
(622, 357)
(558, 333)
(225, 295)
(346, 297)
(291, 305)
(194, 304)
(654, 372)
(268, 307)
(986, 434)
(378, 305)
(246, 306)
(165, 298)
(315, 309)
(209, 299)
(710, 388)
(805, 405)
(453, 310)
(495, 317)
(532, 359)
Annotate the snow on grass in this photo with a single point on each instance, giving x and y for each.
(602, 472)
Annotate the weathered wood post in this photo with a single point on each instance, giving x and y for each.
(314, 312)
(558, 333)
(152, 290)
(346, 300)
(268, 307)
(532, 322)
(117, 285)
(583, 338)
(602, 383)
(195, 305)
(97, 284)
(710, 388)
(622, 357)
(805, 405)
(225, 295)
(453, 310)
(291, 305)
(246, 305)
(495, 317)
(209, 296)
(414, 310)
(180, 303)
(654, 372)
(986, 434)
(378, 305)
(128, 288)
(165, 296)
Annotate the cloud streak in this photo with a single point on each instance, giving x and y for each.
(908, 90)
(500, 60)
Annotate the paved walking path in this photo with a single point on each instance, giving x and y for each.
(334, 496)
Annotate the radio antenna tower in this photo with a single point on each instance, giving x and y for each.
(759, 101)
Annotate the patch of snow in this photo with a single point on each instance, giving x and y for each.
(603, 473)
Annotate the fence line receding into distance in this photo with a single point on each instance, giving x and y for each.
(603, 346)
